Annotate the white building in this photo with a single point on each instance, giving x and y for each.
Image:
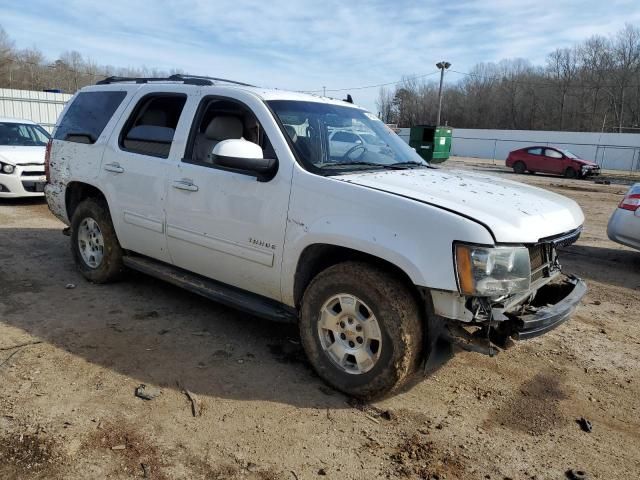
(40, 107)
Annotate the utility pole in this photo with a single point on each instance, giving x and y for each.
(324, 91)
(442, 66)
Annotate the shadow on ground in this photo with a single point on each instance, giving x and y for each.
(151, 331)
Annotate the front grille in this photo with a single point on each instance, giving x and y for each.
(34, 173)
(540, 257)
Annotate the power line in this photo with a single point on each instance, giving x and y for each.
(413, 77)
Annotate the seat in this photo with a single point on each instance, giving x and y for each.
(156, 118)
(220, 128)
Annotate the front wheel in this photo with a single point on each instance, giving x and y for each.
(94, 244)
(570, 173)
(362, 329)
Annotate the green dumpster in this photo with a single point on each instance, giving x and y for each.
(431, 142)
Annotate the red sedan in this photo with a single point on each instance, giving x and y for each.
(551, 160)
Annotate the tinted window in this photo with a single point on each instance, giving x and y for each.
(552, 153)
(87, 116)
(23, 135)
(534, 151)
(151, 126)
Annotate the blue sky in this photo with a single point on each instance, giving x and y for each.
(307, 45)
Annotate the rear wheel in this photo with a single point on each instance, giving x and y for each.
(570, 173)
(362, 329)
(519, 167)
(94, 244)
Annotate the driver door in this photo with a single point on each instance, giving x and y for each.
(222, 224)
(554, 160)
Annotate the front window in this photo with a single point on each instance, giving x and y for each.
(23, 135)
(569, 154)
(334, 139)
(552, 153)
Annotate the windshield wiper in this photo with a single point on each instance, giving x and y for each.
(411, 164)
(393, 166)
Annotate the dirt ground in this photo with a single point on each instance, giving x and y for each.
(68, 409)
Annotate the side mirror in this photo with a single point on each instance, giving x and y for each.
(243, 156)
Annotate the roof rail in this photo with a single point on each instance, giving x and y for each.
(186, 79)
(213, 79)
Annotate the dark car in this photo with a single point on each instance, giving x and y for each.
(551, 160)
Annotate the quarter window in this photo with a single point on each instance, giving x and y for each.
(152, 125)
(87, 116)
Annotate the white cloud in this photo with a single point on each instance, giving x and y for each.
(308, 45)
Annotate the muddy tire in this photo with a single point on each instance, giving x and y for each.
(94, 244)
(362, 329)
(519, 167)
(570, 173)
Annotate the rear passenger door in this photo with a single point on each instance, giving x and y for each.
(534, 160)
(134, 168)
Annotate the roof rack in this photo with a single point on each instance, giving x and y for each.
(186, 79)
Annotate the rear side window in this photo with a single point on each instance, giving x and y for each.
(535, 151)
(87, 116)
(152, 125)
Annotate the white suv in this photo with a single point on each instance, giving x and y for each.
(231, 191)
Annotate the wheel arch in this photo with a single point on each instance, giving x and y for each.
(319, 256)
(76, 192)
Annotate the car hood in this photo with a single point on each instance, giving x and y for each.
(22, 155)
(514, 212)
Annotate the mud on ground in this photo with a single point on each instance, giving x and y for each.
(68, 409)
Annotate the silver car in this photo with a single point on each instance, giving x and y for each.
(624, 224)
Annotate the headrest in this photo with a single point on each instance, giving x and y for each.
(224, 128)
(157, 118)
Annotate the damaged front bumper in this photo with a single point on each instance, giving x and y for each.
(539, 320)
(552, 305)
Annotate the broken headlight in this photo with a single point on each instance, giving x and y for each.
(492, 271)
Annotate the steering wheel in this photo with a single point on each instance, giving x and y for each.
(361, 146)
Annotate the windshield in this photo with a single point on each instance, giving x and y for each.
(23, 135)
(567, 153)
(335, 139)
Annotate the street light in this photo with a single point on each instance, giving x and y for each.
(442, 66)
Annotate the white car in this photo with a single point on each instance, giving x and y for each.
(228, 190)
(347, 145)
(22, 147)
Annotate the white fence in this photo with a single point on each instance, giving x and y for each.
(615, 151)
(40, 107)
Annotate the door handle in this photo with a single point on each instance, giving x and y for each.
(113, 167)
(185, 185)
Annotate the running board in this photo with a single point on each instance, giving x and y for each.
(219, 292)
